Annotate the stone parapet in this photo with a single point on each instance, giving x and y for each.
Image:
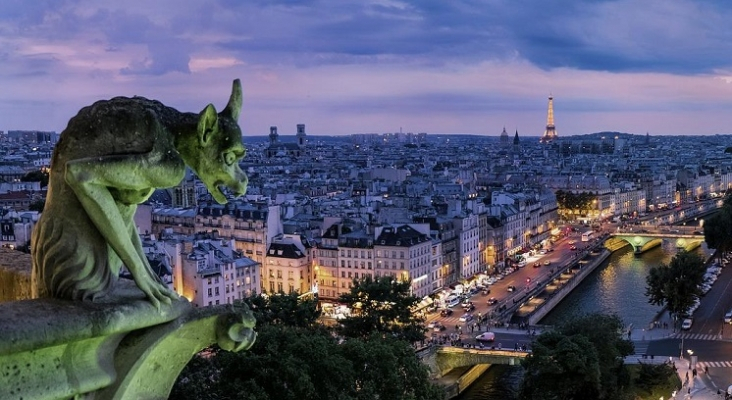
(121, 348)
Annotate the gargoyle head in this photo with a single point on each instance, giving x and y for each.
(221, 149)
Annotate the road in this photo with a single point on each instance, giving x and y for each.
(522, 279)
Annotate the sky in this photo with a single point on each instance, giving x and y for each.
(340, 67)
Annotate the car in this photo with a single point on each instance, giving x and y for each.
(469, 308)
(445, 312)
(542, 251)
(550, 250)
(573, 248)
(466, 317)
(547, 262)
(572, 242)
(466, 303)
(511, 288)
(728, 317)
(473, 291)
(432, 324)
(439, 327)
(492, 301)
(485, 292)
(686, 325)
(486, 337)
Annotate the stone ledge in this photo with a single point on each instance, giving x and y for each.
(121, 348)
(47, 322)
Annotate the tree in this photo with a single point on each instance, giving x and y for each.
(676, 285)
(574, 203)
(37, 205)
(718, 228)
(387, 367)
(287, 363)
(561, 367)
(581, 359)
(36, 176)
(382, 305)
(283, 308)
(309, 363)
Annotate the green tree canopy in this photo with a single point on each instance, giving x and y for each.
(581, 359)
(306, 362)
(570, 202)
(382, 305)
(718, 228)
(37, 205)
(36, 176)
(676, 285)
(283, 308)
(561, 367)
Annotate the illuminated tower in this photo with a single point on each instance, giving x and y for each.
(550, 133)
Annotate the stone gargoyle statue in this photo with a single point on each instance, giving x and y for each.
(110, 158)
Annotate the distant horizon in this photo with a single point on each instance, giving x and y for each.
(294, 137)
(375, 66)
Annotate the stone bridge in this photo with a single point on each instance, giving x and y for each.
(442, 360)
(645, 241)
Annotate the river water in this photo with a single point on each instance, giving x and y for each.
(617, 286)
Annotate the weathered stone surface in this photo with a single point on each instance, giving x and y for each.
(15, 273)
(120, 348)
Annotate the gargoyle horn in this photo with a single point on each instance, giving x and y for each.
(234, 107)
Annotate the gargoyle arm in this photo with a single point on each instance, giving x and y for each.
(91, 178)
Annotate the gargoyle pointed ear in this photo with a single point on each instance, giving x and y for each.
(234, 107)
(208, 122)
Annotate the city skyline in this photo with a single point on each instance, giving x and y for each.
(663, 67)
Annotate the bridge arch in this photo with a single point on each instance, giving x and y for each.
(640, 243)
(445, 359)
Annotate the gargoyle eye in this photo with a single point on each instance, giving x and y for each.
(229, 158)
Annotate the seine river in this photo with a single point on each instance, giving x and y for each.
(617, 286)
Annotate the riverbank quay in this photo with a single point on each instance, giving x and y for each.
(456, 380)
(538, 303)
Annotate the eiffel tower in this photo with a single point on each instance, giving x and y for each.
(550, 133)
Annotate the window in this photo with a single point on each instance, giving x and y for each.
(209, 292)
(216, 291)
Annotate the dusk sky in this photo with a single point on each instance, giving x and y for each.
(375, 66)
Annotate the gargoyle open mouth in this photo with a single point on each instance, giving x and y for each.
(217, 191)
